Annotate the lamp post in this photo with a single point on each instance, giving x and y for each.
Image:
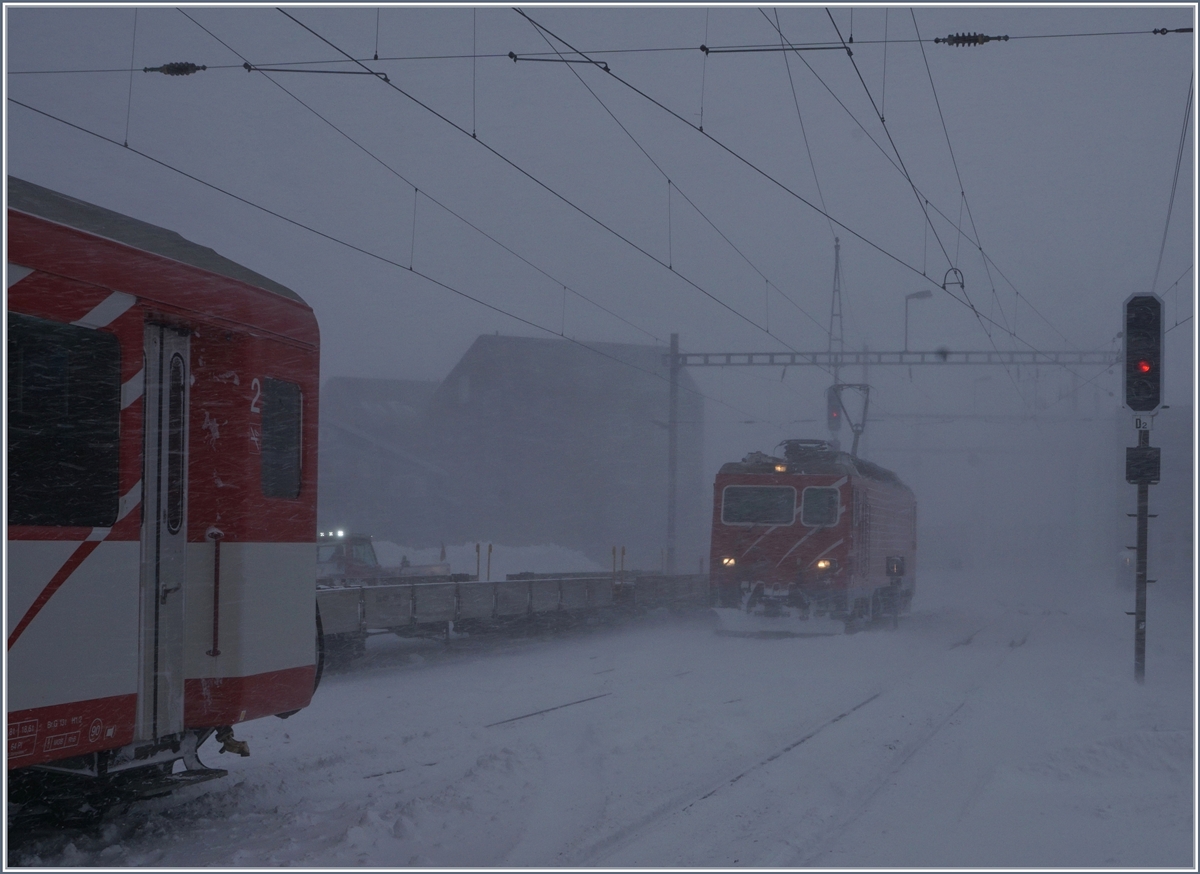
(923, 294)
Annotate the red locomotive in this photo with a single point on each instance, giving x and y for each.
(162, 475)
(815, 534)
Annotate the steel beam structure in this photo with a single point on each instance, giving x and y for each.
(846, 359)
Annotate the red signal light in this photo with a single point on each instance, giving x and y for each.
(1143, 366)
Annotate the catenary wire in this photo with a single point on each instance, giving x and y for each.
(666, 176)
(544, 185)
(684, 194)
(965, 202)
(781, 185)
(1187, 111)
(495, 55)
(803, 133)
(550, 190)
(1010, 331)
(427, 195)
(359, 249)
(932, 205)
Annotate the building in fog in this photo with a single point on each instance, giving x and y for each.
(526, 442)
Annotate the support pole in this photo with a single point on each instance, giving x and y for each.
(672, 452)
(1139, 634)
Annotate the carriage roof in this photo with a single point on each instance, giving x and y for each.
(818, 462)
(64, 210)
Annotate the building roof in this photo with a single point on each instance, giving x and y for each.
(556, 367)
(35, 200)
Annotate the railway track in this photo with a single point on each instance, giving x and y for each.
(851, 754)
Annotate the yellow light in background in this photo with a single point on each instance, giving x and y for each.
(781, 468)
(824, 564)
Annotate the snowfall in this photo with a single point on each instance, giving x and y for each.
(998, 726)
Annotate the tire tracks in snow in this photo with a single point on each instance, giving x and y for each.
(680, 802)
(685, 802)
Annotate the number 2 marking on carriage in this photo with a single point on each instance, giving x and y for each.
(257, 386)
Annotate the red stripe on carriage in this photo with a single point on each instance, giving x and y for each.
(214, 701)
(77, 557)
(60, 731)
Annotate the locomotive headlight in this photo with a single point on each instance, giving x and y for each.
(728, 561)
(824, 564)
(341, 533)
(781, 468)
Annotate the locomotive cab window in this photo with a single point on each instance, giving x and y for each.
(64, 407)
(819, 507)
(281, 418)
(758, 505)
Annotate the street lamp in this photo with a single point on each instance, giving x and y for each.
(923, 294)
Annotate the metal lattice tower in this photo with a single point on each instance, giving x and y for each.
(836, 343)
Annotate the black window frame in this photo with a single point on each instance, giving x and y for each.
(64, 435)
(777, 519)
(282, 438)
(837, 505)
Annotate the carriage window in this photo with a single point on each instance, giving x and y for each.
(758, 505)
(281, 439)
(364, 553)
(64, 407)
(819, 507)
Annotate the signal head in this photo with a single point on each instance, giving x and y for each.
(1143, 352)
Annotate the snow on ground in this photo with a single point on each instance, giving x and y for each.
(997, 727)
(505, 559)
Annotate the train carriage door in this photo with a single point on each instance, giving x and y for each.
(164, 532)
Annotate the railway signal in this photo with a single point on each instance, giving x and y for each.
(1143, 394)
(833, 405)
(1143, 352)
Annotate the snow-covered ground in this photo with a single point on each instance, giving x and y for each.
(999, 726)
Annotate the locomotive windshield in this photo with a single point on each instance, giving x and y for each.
(819, 507)
(758, 505)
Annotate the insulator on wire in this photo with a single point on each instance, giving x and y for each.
(967, 39)
(179, 68)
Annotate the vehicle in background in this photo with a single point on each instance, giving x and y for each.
(350, 559)
(815, 535)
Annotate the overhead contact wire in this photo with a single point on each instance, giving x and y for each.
(768, 176)
(542, 184)
(681, 192)
(792, 47)
(1187, 111)
(428, 197)
(367, 252)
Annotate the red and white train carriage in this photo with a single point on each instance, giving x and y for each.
(815, 534)
(162, 475)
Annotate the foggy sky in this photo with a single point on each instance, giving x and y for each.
(1066, 149)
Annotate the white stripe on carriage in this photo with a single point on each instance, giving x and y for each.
(133, 389)
(107, 311)
(811, 532)
(98, 534)
(129, 500)
(16, 273)
(755, 543)
(831, 547)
